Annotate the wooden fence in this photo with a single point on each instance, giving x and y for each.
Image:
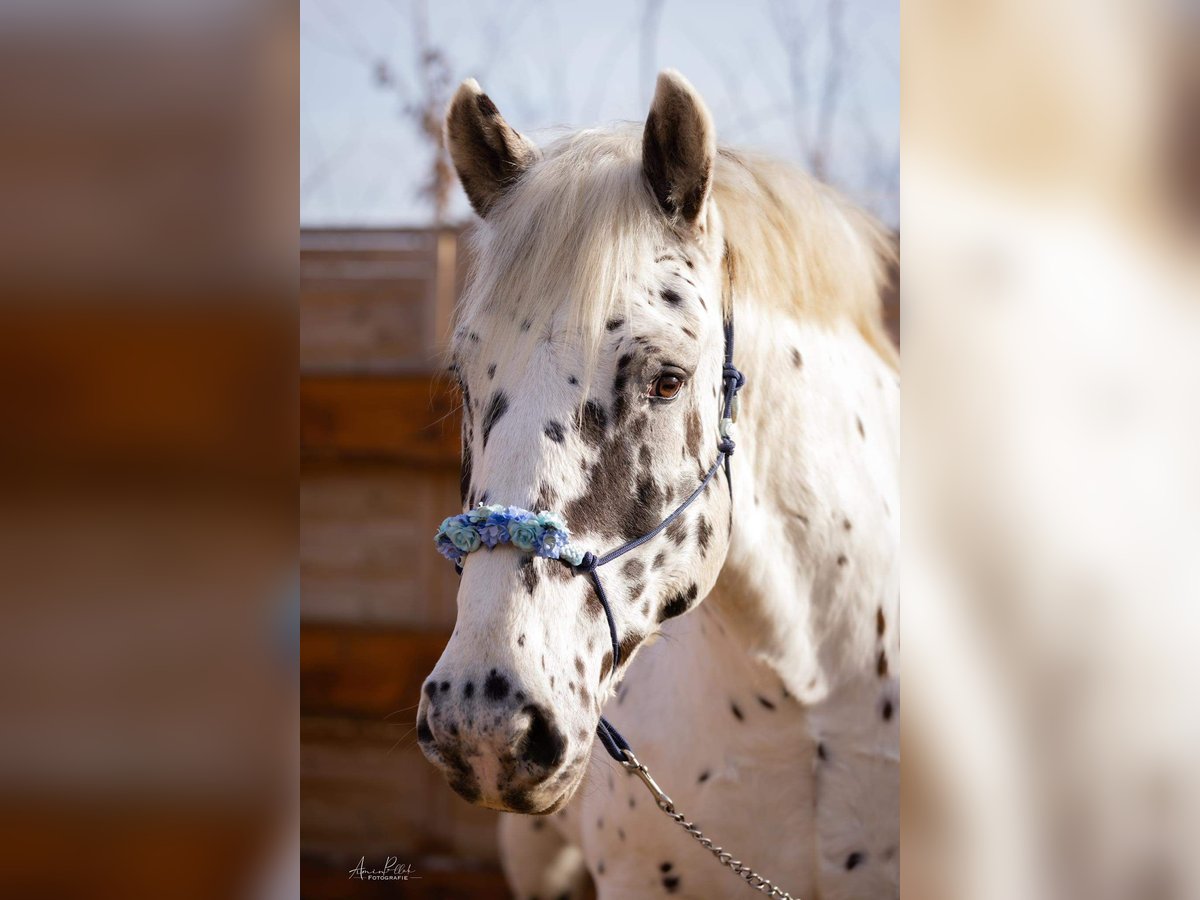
(379, 469)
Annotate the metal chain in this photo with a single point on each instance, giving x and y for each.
(725, 858)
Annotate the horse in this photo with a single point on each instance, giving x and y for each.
(753, 663)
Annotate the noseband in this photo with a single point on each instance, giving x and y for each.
(545, 534)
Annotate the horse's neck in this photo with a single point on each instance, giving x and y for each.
(811, 580)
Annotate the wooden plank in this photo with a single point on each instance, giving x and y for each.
(366, 548)
(409, 419)
(390, 243)
(366, 790)
(364, 673)
(375, 325)
(376, 300)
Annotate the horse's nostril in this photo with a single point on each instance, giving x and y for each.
(424, 734)
(542, 744)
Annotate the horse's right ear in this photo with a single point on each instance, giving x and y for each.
(679, 147)
(488, 155)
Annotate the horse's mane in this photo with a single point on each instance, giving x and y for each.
(570, 227)
(799, 246)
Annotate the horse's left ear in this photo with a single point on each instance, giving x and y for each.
(679, 146)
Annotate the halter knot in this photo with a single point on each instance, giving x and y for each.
(730, 372)
(726, 446)
(586, 565)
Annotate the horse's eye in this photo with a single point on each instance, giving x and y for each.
(666, 387)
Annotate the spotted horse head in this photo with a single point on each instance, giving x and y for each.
(588, 347)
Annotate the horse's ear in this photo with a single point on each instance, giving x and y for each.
(488, 154)
(679, 146)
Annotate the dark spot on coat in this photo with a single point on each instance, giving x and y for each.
(797, 359)
(495, 687)
(464, 473)
(547, 497)
(525, 325)
(887, 710)
(677, 531)
(424, 734)
(677, 605)
(521, 641)
(737, 713)
(633, 568)
(431, 688)
(613, 324)
(861, 432)
(445, 686)
(854, 860)
(629, 644)
(571, 379)
(671, 297)
(659, 559)
(693, 433)
(648, 494)
(841, 560)
(593, 422)
(554, 431)
(469, 690)
(492, 371)
(671, 883)
(518, 801)
(704, 776)
(605, 665)
(665, 867)
(644, 455)
(703, 533)
(881, 664)
(880, 621)
(765, 703)
(822, 752)
(529, 575)
(496, 408)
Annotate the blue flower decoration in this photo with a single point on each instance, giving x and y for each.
(543, 534)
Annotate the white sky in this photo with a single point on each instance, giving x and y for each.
(551, 64)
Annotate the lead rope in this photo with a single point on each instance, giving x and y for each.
(612, 741)
(723, 856)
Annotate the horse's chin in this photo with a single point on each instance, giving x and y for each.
(541, 800)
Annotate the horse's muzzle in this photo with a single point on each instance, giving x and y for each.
(497, 748)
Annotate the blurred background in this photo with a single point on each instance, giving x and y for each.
(381, 265)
